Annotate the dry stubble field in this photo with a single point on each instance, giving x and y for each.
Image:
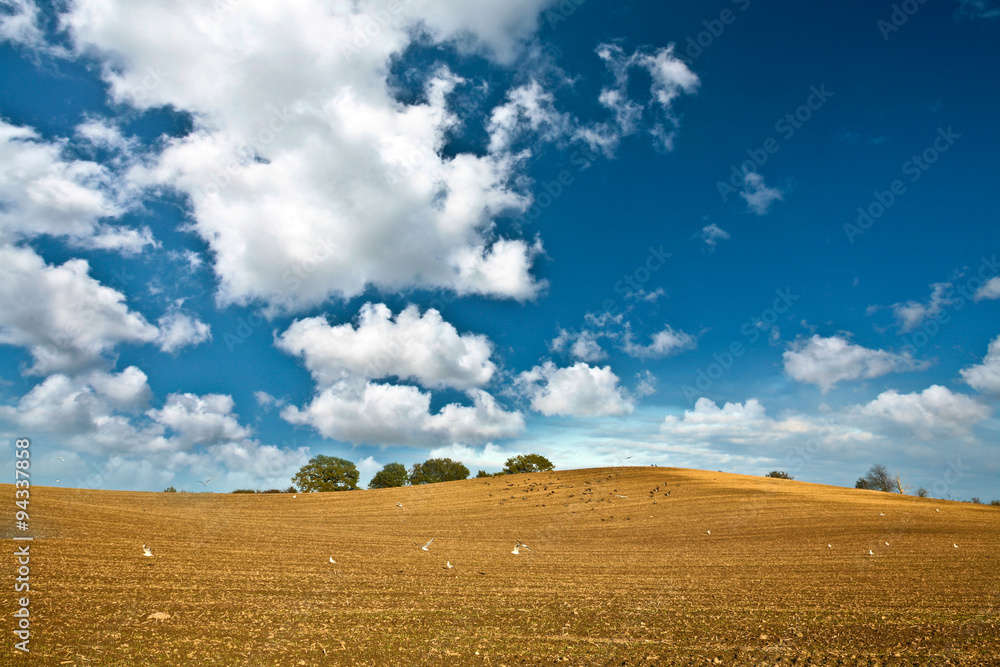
(622, 570)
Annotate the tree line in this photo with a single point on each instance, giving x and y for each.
(331, 473)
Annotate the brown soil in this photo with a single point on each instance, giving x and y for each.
(621, 570)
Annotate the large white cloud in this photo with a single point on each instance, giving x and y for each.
(71, 322)
(985, 377)
(576, 391)
(306, 176)
(44, 192)
(360, 411)
(934, 412)
(68, 320)
(424, 348)
(827, 361)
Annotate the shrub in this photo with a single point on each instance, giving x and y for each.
(922, 492)
(272, 491)
(243, 491)
(976, 501)
(291, 489)
(779, 474)
(170, 489)
(995, 503)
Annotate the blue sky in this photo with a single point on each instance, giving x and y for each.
(732, 235)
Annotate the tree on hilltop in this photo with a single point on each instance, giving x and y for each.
(878, 479)
(437, 470)
(326, 473)
(527, 463)
(391, 475)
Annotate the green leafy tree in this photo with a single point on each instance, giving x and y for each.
(170, 489)
(527, 463)
(437, 470)
(391, 475)
(326, 473)
(779, 474)
(482, 473)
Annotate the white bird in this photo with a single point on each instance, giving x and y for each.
(61, 458)
(424, 548)
(517, 548)
(955, 545)
(205, 483)
(829, 546)
(937, 510)
(708, 532)
(886, 544)
(881, 515)
(871, 553)
(399, 504)
(333, 561)
(146, 551)
(294, 496)
(448, 564)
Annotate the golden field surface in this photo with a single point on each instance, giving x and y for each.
(627, 566)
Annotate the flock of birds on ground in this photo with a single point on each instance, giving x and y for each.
(146, 551)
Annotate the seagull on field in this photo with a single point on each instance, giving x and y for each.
(955, 545)
(517, 548)
(424, 548)
(708, 532)
(333, 561)
(829, 546)
(146, 551)
(448, 565)
(886, 544)
(205, 483)
(399, 504)
(871, 553)
(937, 510)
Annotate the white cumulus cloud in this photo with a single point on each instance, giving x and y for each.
(410, 346)
(936, 411)
(576, 391)
(985, 377)
(827, 361)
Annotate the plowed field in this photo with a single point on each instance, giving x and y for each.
(628, 566)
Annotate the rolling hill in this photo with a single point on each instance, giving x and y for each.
(622, 566)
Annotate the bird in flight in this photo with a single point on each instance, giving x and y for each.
(61, 458)
(424, 548)
(517, 548)
(205, 483)
(146, 551)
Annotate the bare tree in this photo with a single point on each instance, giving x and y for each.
(878, 479)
